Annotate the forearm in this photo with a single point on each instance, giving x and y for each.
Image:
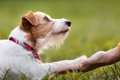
(100, 58)
(53, 67)
(41, 70)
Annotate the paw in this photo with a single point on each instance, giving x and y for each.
(79, 59)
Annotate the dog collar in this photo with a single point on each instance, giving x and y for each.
(26, 46)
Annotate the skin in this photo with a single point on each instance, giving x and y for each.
(97, 60)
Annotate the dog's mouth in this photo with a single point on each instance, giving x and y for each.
(62, 32)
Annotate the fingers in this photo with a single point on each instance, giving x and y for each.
(87, 65)
(83, 65)
(81, 58)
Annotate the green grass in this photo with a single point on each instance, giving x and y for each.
(95, 27)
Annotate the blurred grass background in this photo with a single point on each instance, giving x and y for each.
(95, 24)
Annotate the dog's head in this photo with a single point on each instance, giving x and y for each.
(43, 30)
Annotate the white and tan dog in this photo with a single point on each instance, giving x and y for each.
(38, 31)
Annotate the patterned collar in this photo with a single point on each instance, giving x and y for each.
(26, 46)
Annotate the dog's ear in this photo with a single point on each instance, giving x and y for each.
(29, 20)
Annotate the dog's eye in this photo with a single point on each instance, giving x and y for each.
(46, 18)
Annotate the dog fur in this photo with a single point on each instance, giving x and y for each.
(40, 31)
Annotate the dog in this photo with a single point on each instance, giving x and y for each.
(37, 31)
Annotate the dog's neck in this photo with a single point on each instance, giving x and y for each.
(21, 36)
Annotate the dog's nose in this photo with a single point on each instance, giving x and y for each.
(68, 23)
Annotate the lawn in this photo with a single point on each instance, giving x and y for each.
(95, 27)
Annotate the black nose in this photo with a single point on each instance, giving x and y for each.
(68, 23)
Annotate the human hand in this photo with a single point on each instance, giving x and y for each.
(95, 61)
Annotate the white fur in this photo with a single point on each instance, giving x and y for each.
(59, 24)
(19, 60)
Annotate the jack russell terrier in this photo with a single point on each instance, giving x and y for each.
(38, 31)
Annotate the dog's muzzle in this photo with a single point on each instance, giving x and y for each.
(68, 23)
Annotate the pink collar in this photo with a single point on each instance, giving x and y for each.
(26, 46)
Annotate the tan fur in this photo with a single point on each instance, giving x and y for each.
(36, 26)
(43, 31)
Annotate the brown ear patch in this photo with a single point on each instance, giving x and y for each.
(29, 20)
